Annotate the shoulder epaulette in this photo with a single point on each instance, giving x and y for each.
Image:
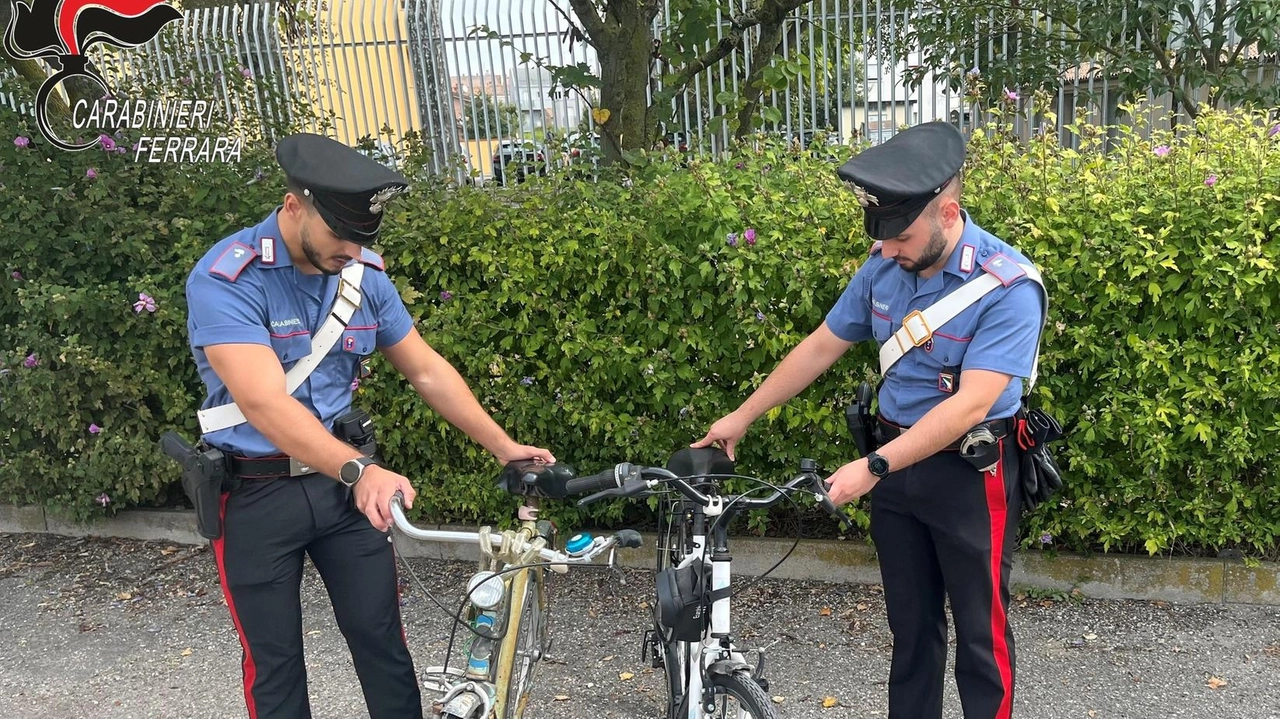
(1004, 268)
(372, 259)
(875, 248)
(233, 260)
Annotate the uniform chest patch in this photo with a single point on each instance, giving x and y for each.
(233, 261)
(1004, 269)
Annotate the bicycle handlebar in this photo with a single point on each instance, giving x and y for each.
(641, 479)
(558, 561)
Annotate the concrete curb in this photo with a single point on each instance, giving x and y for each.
(1182, 580)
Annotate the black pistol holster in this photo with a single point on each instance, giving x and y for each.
(1041, 478)
(355, 427)
(204, 469)
(861, 422)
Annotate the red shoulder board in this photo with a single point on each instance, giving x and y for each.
(875, 248)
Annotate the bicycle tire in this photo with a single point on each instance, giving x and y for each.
(675, 657)
(753, 701)
(530, 645)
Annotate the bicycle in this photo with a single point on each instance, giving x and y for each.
(505, 604)
(692, 627)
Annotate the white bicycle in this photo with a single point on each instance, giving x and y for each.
(707, 675)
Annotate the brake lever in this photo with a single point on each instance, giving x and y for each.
(820, 493)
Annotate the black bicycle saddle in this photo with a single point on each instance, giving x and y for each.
(526, 477)
(691, 462)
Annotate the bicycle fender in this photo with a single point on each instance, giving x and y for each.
(726, 667)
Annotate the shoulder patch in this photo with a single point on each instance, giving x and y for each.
(875, 248)
(233, 260)
(372, 259)
(1004, 268)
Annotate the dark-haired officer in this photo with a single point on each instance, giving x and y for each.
(943, 526)
(281, 316)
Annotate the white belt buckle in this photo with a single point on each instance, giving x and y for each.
(917, 329)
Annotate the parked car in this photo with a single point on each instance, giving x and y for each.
(516, 160)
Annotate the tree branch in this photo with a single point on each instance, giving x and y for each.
(590, 19)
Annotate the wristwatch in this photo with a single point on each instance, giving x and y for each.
(353, 469)
(878, 465)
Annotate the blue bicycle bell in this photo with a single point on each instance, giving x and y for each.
(578, 544)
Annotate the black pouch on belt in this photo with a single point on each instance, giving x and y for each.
(356, 428)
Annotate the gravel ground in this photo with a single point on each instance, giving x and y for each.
(128, 629)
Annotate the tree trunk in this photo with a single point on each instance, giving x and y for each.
(625, 54)
(766, 46)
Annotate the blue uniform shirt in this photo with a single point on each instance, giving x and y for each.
(247, 290)
(1000, 332)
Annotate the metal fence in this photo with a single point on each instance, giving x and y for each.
(469, 74)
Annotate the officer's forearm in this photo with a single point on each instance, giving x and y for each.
(795, 372)
(939, 427)
(448, 393)
(292, 428)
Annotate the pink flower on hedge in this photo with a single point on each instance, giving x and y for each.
(246, 73)
(750, 235)
(16, 275)
(94, 429)
(30, 361)
(355, 384)
(446, 295)
(760, 316)
(21, 141)
(1010, 95)
(731, 239)
(91, 173)
(1211, 180)
(104, 499)
(108, 144)
(1046, 538)
(145, 302)
(1161, 150)
(1275, 130)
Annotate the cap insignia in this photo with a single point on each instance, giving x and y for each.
(864, 198)
(382, 197)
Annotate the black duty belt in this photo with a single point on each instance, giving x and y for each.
(999, 427)
(275, 467)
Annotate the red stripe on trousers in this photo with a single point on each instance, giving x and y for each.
(999, 512)
(250, 669)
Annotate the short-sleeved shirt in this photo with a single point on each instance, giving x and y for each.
(1000, 332)
(246, 289)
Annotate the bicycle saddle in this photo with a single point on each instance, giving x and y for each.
(690, 462)
(529, 478)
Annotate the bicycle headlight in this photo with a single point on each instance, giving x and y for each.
(486, 590)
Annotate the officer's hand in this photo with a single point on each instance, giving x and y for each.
(523, 451)
(850, 482)
(725, 433)
(373, 495)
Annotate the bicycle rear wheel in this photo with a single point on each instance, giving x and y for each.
(674, 543)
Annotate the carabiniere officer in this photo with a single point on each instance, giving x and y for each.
(942, 526)
(299, 481)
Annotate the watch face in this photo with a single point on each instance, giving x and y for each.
(350, 471)
(878, 465)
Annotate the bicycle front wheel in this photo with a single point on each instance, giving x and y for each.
(738, 696)
(530, 641)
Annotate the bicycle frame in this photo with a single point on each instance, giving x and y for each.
(524, 545)
(715, 651)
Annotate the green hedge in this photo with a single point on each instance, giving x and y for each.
(615, 320)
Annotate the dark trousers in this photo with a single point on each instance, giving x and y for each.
(267, 527)
(943, 530)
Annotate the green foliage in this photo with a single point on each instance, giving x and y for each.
(1160, 259)
(484, 116)
(1218, 47)
(611, 318)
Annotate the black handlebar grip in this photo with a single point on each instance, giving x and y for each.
(608, 479)
(629, 539)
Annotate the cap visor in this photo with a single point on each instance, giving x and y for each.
(884, 228)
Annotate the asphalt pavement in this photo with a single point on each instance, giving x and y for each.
(124, 629)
